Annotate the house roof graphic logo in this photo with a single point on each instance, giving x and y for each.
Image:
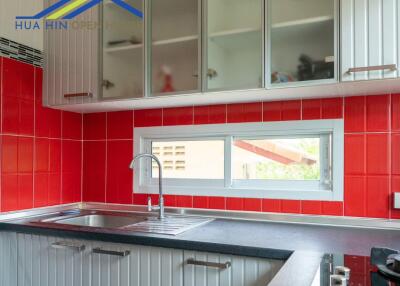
(69, 9)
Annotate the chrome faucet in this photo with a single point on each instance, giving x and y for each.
(160, 207)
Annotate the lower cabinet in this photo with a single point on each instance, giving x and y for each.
(48, 261)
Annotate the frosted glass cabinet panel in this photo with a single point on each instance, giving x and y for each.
(302, 40)
(122, 75)
(234, 44)
(175, 46)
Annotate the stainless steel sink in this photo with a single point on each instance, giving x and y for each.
(132, 222)
(100, 220)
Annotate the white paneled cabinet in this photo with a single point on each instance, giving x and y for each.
(370, 39)
(209, 269)
(46, 261)
(71, 60)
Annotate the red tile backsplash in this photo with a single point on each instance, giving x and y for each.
(45, 153)
(30, 143)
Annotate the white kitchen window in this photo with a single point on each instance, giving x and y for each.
(280, 160)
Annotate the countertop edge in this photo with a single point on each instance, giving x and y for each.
(137, 239)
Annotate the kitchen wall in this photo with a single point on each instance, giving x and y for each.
(372, 151)
(40, 148)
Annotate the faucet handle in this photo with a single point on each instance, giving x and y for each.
(149, 205)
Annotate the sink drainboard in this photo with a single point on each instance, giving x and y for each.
(169, 225)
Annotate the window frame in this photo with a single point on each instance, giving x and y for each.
(143, 183)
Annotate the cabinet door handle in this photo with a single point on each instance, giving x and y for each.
(225, 265)
(111, 252)
(372, 68)
(68, 245)
(83, 94)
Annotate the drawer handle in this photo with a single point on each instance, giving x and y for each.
(83, 94)
(225, 265)
(372, 68)
(67, 245)
(111, 252)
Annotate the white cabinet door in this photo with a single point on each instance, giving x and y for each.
(48, 261)
(71, 59)
(207, 269)
(370, 39)
(133, 265)
(8, 259)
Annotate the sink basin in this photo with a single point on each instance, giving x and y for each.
(100, 220)
(132, 222)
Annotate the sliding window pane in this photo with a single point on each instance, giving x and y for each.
(277, 159)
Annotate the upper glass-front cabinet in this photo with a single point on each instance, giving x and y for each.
(175, 46)
(301, 41)
(123, 47)
(233, 47)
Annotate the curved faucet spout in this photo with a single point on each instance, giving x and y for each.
(160, 191)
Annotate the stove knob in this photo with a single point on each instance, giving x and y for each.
(338, 280)
(344, 271)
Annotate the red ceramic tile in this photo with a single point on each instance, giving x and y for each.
(200, 202)
(395, 154)
(148, 117)
(355, 114)
(354, 154)
(71, 188)
(395, 112)
(55, 155)
(41, 121)
(395, 188)
(332, 108)
(218, 203)
(378, 113)
(332, 208)
(38, 84)
(211, 114)
(94, 126)
(311, 109)
(140, 199)
(54, 189)
(355, 196)
(184, 201)
(170, 200)
(236, 204)
(250, 204)
(291, 206)
(41, 155)
(25, 155)
(378, 154)
(10, 113)
(119, 176)
(18, 79)
(120, 125)
(26, 117)
(272, 111)
(378, 197)
(41, 196)
(55, 127)
(25, 191)
(94, 171)
(270, 205)
(71, 156)
(244, 112)
(291, 110)
(311, 207)
(71, 125)
(9, 154)
(178, 116)
(9, 193)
